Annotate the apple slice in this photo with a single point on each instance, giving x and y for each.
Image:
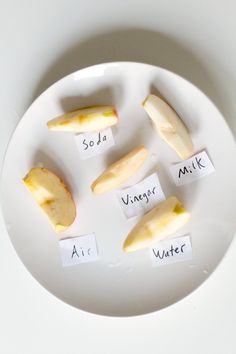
(87, 119)
(169, 125)
(52, 196)
(165, 219)
(120, 171)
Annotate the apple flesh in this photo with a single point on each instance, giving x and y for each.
(120, 171)
(169, 125)
(83, 120)
(162, 221)
(52, 196)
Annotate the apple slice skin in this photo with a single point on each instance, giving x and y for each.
(162, 221)
(88, 119)
(53, 196)
(169, 125)
(120, 171)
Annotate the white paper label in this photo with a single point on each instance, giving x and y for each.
(78, 250)
(141, 197)
(192, 169)
(95, 143)
(171, 250)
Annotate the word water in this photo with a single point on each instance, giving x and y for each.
(141, 197)
(76, 250)
(95, 143)
(190, 170)
(171, 251)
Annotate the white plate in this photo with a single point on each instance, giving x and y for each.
(119, 284)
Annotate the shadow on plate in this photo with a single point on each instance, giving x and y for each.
(135, 44)
(106, 95)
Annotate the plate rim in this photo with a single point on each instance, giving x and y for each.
(111, 63)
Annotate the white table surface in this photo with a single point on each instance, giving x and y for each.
(41, 41)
